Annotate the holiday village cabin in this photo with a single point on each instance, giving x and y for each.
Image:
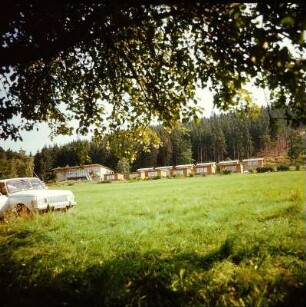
(252, 164)
(167, 169)
(234, 166)
(205, 168)
(152, 172)
(134, 175)
(182, 170)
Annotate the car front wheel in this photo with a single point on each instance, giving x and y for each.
(21, 210)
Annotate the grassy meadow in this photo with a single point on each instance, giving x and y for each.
(235, 240)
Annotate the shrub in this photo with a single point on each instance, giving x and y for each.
(283, 168)
(226, 172)
(104, 181)
(297, 167)
(264, 169)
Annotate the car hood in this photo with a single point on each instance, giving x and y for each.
(42, 193)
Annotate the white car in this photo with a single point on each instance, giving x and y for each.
(29, 194)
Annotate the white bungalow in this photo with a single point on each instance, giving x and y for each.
(90, 172)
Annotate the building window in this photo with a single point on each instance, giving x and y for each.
(201, 170)
(152, 174)
(110, 177)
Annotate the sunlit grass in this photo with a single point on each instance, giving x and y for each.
(215, 240)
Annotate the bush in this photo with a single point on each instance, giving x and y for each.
(264, 169)
(283, 168)
(226, 172)
(297, 167)
(104, 181)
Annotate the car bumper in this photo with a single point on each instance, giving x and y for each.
(62, 205)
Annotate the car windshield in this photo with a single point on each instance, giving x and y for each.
(18, 185)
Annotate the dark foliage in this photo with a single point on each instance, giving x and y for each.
(108, 63)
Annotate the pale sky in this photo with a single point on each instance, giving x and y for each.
(34, 141)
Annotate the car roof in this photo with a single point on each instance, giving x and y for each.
(17, 178)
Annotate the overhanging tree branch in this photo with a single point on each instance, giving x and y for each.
(106, 19)
(94, 48)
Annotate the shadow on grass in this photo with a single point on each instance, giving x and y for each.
(130, 280)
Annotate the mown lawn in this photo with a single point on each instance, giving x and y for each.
(236, 240)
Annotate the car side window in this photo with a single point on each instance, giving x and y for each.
(37, 184)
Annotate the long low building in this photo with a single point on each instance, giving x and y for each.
(89, 171)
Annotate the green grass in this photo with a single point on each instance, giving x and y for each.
(236, 240)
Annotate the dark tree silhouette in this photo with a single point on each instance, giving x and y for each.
(113, 63)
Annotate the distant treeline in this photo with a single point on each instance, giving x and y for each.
(15, 164)
(220, 137)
